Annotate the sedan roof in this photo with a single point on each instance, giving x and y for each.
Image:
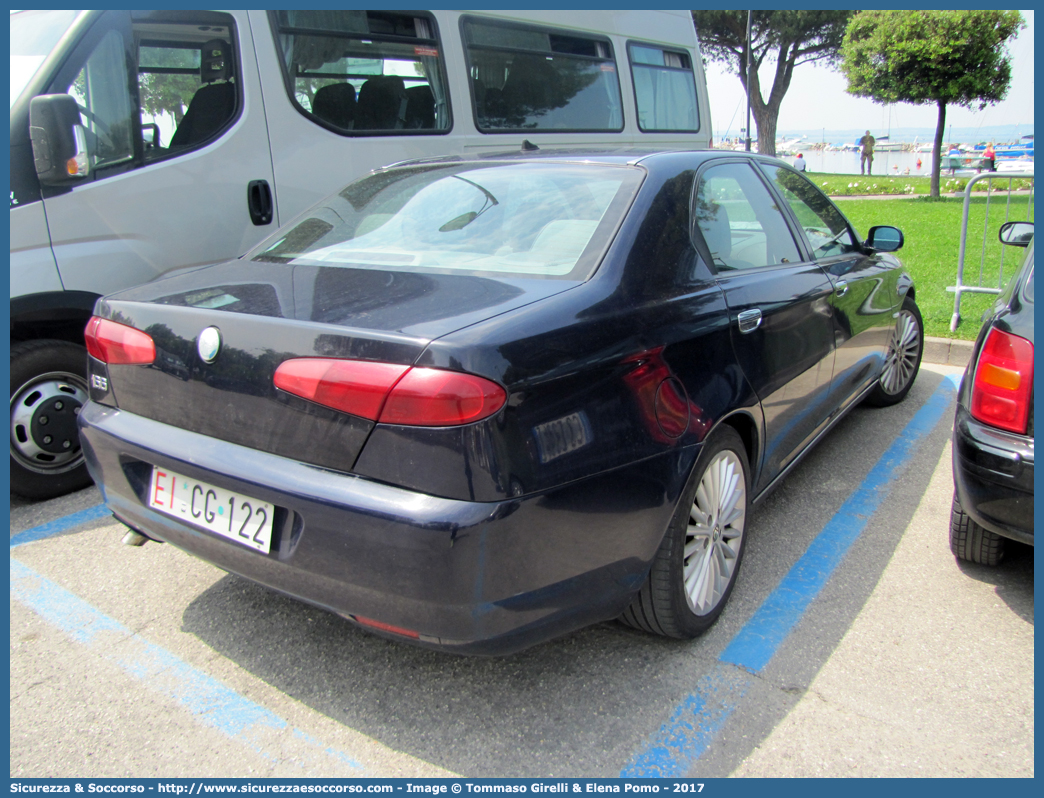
(610, 156)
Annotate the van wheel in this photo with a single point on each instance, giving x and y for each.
(48, 388)
(695, 568)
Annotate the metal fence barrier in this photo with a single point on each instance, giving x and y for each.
(978, 288)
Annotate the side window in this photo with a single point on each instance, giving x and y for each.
(739, 220)
(102, 90)
(183, 95)
(187, 82)
(365, 71)
(525, 78)
(664, 89)
(827, 230)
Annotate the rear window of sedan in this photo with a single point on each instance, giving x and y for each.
(527, 219)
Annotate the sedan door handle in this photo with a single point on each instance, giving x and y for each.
(841, 288)
(749, 320)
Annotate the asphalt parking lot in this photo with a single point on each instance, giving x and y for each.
(854, 645)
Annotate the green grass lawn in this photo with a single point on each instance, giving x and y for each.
(932, 233)
(909, 185)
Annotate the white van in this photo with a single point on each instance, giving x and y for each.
(148, 141)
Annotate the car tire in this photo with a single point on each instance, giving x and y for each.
(48, 388)
(695, 567)
(971, 542)
(905, 347)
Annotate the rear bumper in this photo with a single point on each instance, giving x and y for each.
(472, 577)
(993, 477)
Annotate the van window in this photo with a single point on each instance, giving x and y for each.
(33, 35)
(525, 78)
(187, 77)
(664, 89)
(183, 95)
(101, 90)
(364, 72)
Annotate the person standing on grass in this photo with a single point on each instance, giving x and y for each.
(866, 153)
(955, 158)
(799, 162)
(989, 158)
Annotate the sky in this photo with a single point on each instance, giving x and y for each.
(817, 99)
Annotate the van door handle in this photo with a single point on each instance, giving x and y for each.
(259, 202)
(841, 288)
(749, 320)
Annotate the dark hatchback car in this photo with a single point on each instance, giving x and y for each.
(993, 428)
(474, 404)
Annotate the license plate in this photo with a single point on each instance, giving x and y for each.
(231, 515)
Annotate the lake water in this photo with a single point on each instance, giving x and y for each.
(885, 163)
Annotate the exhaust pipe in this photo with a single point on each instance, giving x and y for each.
(135, 538)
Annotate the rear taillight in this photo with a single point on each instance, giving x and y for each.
(358, 387)
(437, 398)
(118, 344)
(392, 394)
(1003, 387)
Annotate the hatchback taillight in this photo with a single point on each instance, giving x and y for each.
(1003, 387)
(390, 393)
(118, 344)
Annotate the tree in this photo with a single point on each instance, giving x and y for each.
(165, 92)
(930, 57)
(791, 38)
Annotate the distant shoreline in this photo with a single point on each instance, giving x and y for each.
(960, 135)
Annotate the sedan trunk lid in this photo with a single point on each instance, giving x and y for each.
(285, 312)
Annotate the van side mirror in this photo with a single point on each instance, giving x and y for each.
(884, 238)
(59, 140)
(1018, 234)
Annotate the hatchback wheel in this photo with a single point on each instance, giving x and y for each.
(905, 347)
(971, 542)
(695, 568)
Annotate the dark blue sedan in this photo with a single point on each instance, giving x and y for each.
(474, 404)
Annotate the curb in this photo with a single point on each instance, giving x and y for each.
(947, 351)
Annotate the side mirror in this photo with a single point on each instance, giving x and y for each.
(151, 142)
(884, 238)
(59, 140)
(1018, 234)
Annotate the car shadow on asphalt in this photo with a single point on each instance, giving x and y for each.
(1012, 579)
(586, 702)
(571, 705)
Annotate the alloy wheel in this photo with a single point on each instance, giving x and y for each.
(904, 350)
(714, 536)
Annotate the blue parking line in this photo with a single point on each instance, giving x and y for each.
(761, 636)
(212, 703)
(676, 746)
(691, 728)
(61, 525)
